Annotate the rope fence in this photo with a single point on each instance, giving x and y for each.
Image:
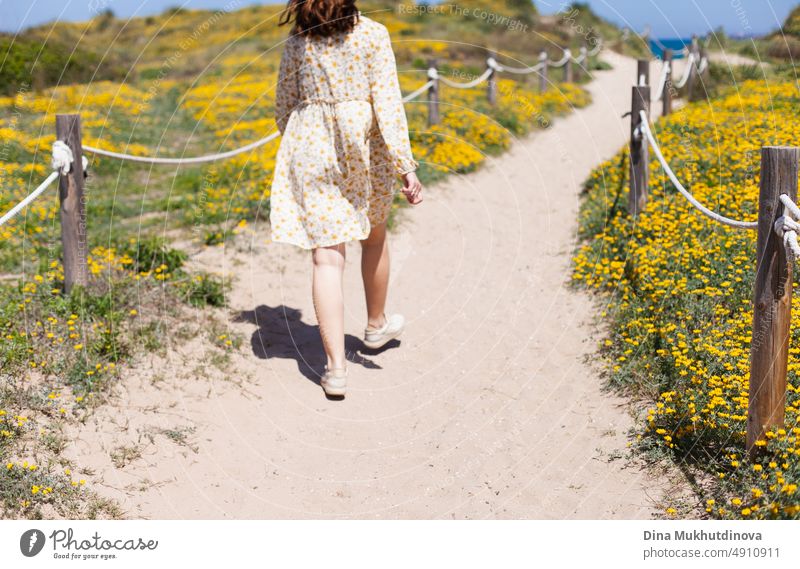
(645, 128)
(182, 161)
(778, 225)
(63, 154)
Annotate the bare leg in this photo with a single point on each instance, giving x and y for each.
(375, 272)
(326, 290)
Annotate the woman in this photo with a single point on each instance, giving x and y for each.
(345, 141)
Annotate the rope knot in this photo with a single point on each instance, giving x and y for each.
(62, 157)
(433, 73)
(785, 224)
(786, 227)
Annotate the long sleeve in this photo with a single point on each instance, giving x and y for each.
(388, 104)
(287, 93)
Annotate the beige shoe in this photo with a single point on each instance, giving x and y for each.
(375, 338)
(334, 381)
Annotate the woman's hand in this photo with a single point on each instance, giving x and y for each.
(412, 188)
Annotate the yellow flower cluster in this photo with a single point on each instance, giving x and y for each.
(680, 289)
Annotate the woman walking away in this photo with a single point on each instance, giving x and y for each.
(345, 142)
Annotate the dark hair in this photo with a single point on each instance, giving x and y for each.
(320, 18)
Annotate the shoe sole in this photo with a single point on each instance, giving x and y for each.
(382, 343)
(338, 391)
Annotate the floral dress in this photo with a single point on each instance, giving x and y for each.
(345, 137)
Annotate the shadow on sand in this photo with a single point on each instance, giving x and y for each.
(282, 333)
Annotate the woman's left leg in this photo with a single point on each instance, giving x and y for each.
(375, 273)
(328, 297)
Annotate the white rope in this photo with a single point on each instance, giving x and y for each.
(32, 196)
(519, 70)
(191, 160)
(582, 57)
(422, 89)
(645, 126)
(596, 49)
(469, 84)
(563, 60)
(702, 67)
(686, 72)
(60, 162)
(659, 44)
(786, 227)
(665, 71)
(791, 206)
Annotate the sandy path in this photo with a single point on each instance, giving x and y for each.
(486, 409)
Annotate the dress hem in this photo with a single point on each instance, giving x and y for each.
(319, 245)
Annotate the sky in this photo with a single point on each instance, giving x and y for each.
(666, 18)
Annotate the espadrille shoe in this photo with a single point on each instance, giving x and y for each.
(375, 338)
(334, 381)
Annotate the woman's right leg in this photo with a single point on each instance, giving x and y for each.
(328, 296)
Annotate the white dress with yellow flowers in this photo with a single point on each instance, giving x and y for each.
(345, 137)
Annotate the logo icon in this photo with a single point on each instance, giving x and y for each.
(31, 542)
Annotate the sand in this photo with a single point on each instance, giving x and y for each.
(490, 406)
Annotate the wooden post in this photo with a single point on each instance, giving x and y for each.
(543, 72)
(639, 150)
(642, 71)
(690, 86)
(433, 97)
(491, 83)
(772, 297)
(568, 68)
(666, 98)
(583, 67)
(72, 212)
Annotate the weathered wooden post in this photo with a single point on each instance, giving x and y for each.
(690, 86)
(639, 150)
(543, 72)
(772, 297)
(642, 72)
(582, 68)
(73, 211)
(433, 94)
(666, 97)
(568, 67)
(491, 82)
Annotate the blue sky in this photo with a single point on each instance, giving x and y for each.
(667, 18)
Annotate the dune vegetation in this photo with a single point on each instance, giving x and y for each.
(678, 289)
